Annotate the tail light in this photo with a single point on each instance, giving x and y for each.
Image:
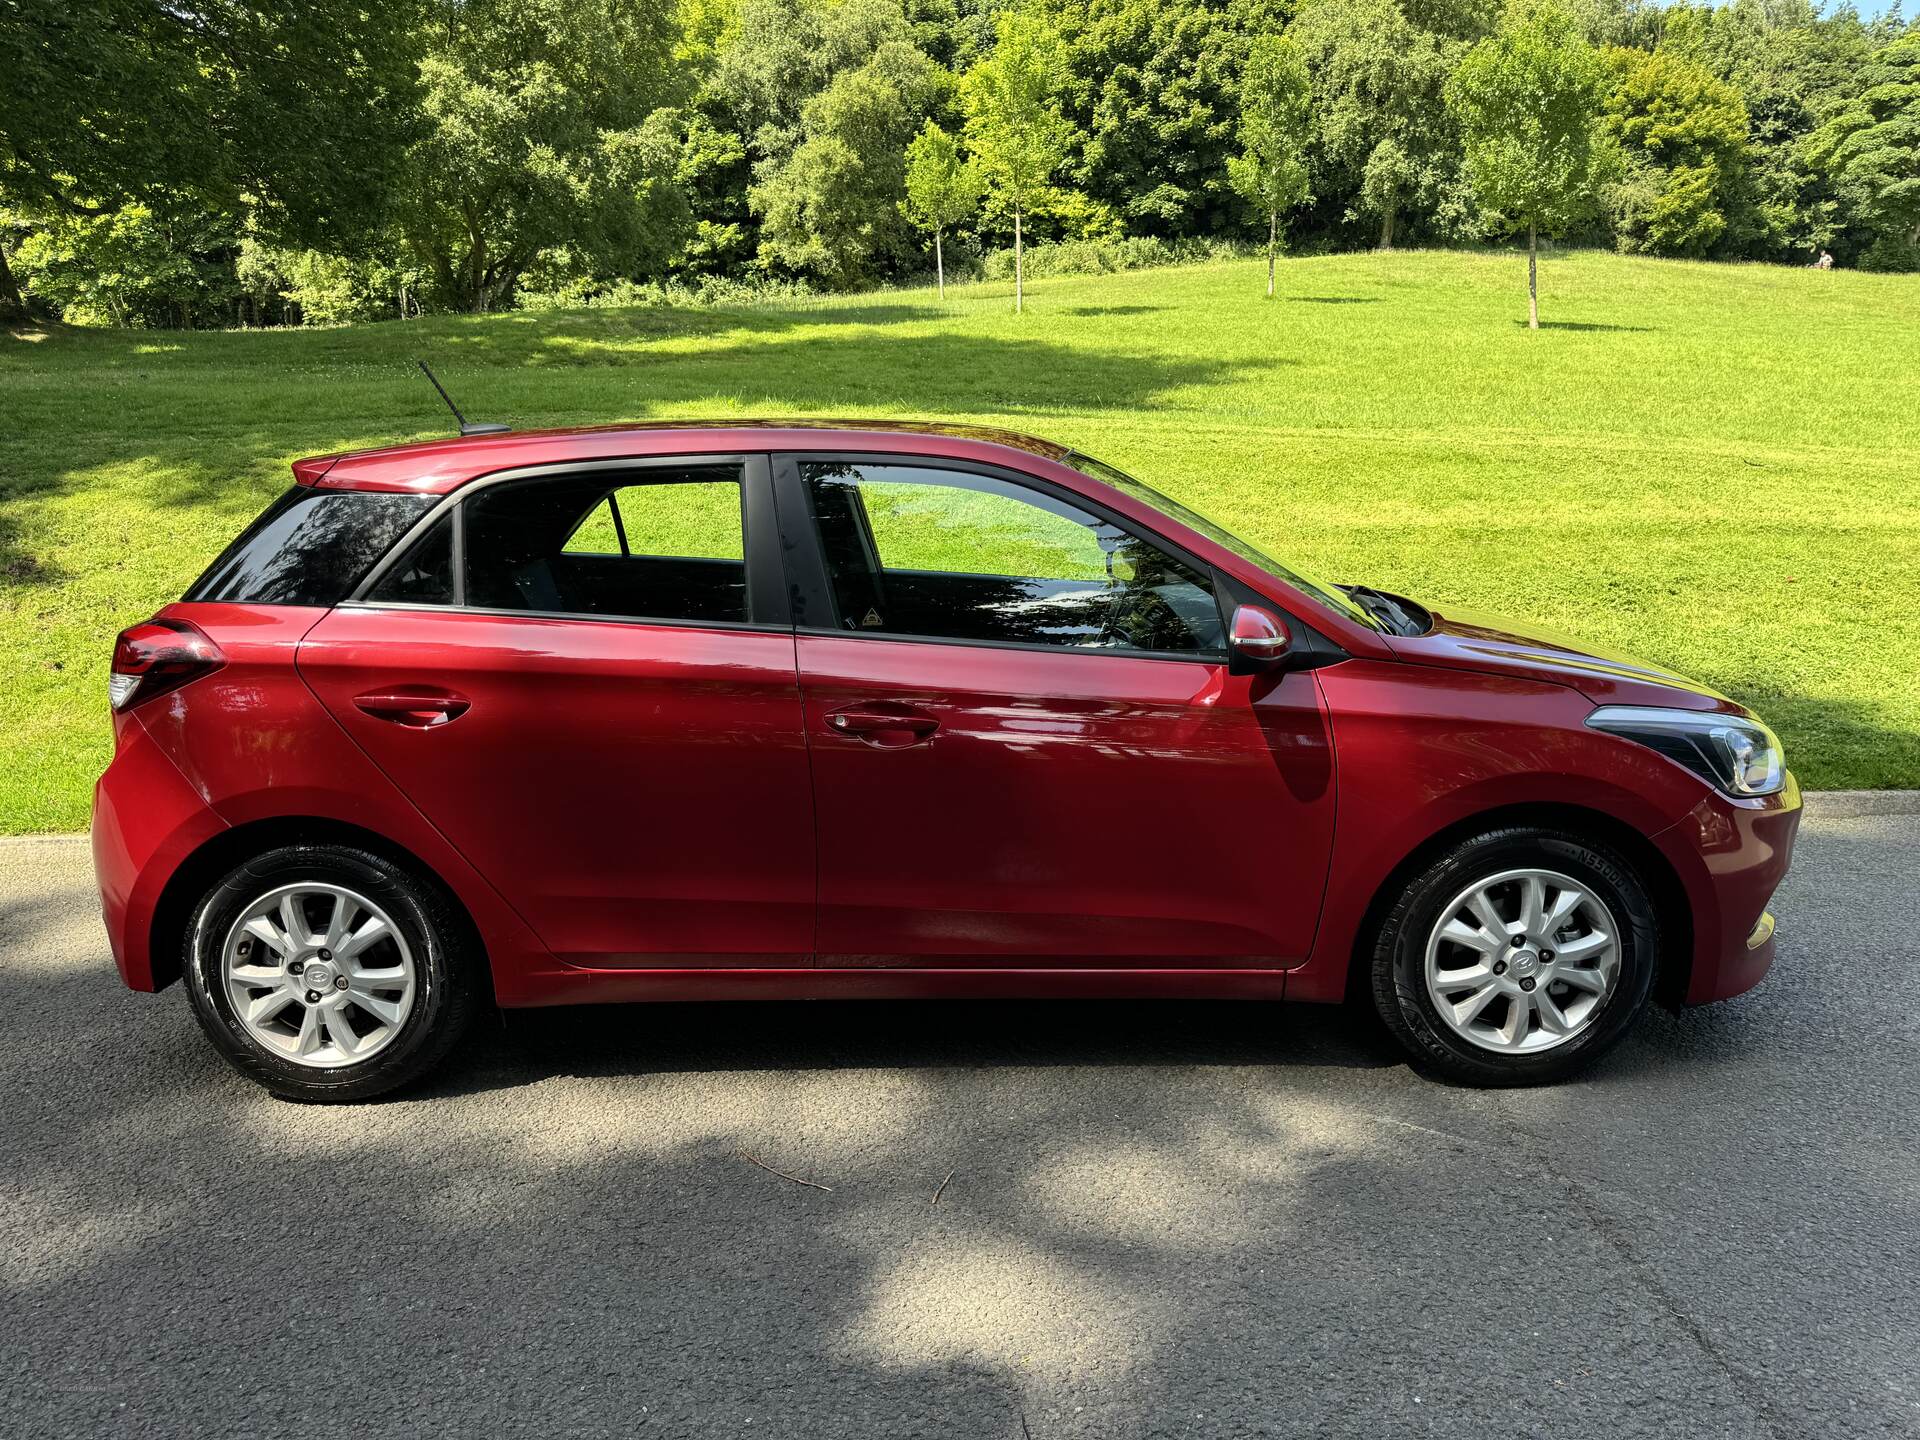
(156, 656)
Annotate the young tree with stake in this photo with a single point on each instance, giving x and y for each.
(1528, 100)
(1014, 125)
(1275, 113)
(942, 189)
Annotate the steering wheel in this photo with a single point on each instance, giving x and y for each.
(1136, 615)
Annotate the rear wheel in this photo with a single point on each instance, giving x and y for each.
(1516, 957)
(327, 973)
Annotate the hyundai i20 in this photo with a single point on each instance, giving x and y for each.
(862, 710)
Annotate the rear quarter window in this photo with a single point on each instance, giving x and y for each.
(310, 547)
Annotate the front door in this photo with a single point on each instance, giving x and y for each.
(1027, 746)
(597, 708)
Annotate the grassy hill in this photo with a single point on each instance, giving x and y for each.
(1712, 466)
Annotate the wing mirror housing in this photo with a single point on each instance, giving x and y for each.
(1258, 639)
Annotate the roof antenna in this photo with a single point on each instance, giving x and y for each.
(467, 427)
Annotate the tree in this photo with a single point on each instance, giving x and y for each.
(1275, 99)
(544, 130)
(1382, 136)
(942, 190)
(1014, 125)
(185, 110)
(129, 265)
(1872, 149)
(832, 206)
(1150, 91)
(1683, 135)
(1527, 100)
(756, 109)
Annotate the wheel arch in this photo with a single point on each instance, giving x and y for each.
(1663, 882)
(220, 853)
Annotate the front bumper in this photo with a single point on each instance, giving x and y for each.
(1731, 855)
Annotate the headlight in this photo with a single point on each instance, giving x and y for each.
(1734, 752)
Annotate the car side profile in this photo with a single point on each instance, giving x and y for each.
(686, 712)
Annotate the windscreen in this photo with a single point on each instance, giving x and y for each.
(1326, 594)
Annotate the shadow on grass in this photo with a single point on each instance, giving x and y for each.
(20, 568)
(1333, 299)
(1588, 325)
(627, 367)
(1114, 309)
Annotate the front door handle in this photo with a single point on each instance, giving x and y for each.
(889, 726)
(419, 707)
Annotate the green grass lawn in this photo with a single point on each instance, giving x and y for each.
(1712, 466)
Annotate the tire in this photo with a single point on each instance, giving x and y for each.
(1614, 903)
(396, 996)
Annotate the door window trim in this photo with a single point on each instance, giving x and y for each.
(811, 587)
(768, 608)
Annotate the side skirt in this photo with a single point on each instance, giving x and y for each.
(571, 986)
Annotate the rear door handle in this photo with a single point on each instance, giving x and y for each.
(418, 707)
(886, 725)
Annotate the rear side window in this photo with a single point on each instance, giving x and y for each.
(310, 547)
(665, 543)
(696, 519)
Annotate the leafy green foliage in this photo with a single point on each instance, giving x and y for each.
(1527, 99)
(1683, 135)
(593, 147)
(832, 206)
(186, 110)
(942, 189)
(323, 289)
(543, 131)
(1873, 149)
(1270, 171)
(1104, 257)
(1014, 123)
(1151, 94)
(1382, 136)
(131, 266)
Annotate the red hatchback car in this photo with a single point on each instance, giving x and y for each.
(848, 710)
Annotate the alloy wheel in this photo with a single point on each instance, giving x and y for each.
(319, 974)
(1522, 961)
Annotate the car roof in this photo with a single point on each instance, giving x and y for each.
(435, 467)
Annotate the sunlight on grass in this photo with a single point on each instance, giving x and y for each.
(1711, 466)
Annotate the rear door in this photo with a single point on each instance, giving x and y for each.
(1028, 749)
(585, 679)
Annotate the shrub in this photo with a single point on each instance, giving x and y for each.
(1101, 257)
(707, 291)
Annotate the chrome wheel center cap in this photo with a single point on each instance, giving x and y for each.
(1525, 963)
(317, 976)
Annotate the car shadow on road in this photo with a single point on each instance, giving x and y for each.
(522, 1047)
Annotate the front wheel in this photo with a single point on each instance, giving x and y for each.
(326, 973)
(1516, 957)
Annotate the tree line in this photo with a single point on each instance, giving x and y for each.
(265, 162)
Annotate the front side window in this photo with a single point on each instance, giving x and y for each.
(310, 547)
(915, 550)
(658, 544)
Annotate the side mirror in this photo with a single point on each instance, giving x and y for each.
(1258, 639)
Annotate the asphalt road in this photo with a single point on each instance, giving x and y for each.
(1157, 1220)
